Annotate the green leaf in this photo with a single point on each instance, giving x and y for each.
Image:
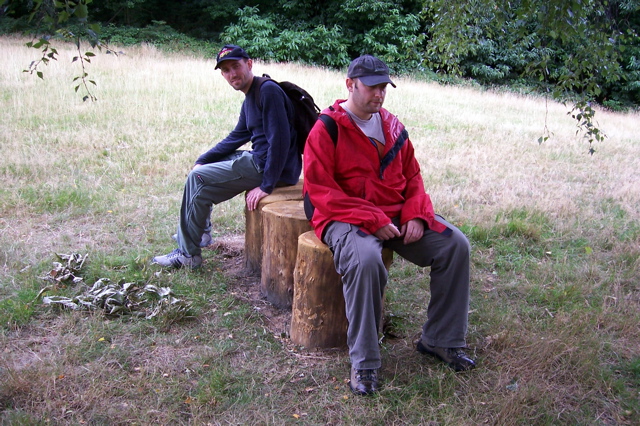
(81, 12)
(63, 16)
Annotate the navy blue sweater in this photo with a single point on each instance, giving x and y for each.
(272, 136)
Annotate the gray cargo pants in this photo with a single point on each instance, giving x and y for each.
(358, 259)
(212, 184)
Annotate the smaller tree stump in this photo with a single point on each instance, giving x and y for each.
(318, 318)
(282, 223)
(253, 224)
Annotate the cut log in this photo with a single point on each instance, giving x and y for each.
(318, 318)
(253, 224)
(282, 223)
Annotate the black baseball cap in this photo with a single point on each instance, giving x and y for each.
(230, 52)
(369, 70)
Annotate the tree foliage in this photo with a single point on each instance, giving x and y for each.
(331, 36)
(69, 20)
(573, 48)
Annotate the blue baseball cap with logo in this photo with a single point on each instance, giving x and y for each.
(230, 52)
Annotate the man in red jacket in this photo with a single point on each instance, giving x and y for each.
(363, 191)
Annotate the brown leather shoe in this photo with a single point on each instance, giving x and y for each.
(456, 358)
(363, 382)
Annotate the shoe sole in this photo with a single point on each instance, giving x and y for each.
(176, 265)
(193, 268)
(360, 393)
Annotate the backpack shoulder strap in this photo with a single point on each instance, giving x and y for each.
(331, 126)
(256, 94)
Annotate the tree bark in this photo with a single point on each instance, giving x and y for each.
(253, 224)
(318, 318)
(282, 223)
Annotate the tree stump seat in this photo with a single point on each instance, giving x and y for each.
(282, 223)
(318, 318)
(253, 224)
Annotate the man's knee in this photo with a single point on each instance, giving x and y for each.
(194, 176)
(354, 252)
(370, 261)
(461, 244)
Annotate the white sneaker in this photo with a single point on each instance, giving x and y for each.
(177, 259)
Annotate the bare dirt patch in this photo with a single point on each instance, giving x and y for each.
(246, 285)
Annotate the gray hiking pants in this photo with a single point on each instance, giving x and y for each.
(358, 259)
(212, 184)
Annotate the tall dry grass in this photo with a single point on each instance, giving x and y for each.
(480, 155)
(555, 231)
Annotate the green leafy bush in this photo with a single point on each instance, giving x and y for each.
(263, 38)
(390, 35)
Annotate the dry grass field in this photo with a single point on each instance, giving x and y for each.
(555, 310)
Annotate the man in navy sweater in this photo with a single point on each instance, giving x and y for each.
(224, 171)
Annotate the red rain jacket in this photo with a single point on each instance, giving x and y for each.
(349, 182)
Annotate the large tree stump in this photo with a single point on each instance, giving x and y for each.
(318, 319)
(282, 223)
(253, 224)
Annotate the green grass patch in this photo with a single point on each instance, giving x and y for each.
(59, 199)
(17, 311)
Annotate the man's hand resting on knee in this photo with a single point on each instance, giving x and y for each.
(411, 231)
(387, 232)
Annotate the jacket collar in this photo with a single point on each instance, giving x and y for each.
(391, 126)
